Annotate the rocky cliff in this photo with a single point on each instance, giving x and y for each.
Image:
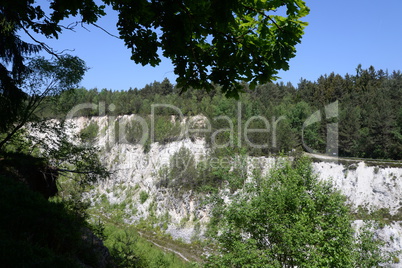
(134, 185)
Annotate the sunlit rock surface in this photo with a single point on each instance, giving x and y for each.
(185, 217)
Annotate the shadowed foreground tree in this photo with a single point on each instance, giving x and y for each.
(41, 79)
(48, 140)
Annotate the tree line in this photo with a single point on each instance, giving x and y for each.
(369, 116)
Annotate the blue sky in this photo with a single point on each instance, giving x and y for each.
(341, 34)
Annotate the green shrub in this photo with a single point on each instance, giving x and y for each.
(208, 175)
(183, 172)
(292, 219)
(135, 133)
(89, 133)
(143, 196)
(165, 130)
(395, 259)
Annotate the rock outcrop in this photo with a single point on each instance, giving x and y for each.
(134, 171)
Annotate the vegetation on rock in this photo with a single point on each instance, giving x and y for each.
(290, 219)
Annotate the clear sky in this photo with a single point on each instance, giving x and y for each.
(341, 34)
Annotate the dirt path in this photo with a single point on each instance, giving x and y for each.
(186, 252)
(169, 249)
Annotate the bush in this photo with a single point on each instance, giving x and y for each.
(89, 133)
(143, 197)
(135, 133)
(290, 219)
(165, 130)
(182, 169)
(184, 173)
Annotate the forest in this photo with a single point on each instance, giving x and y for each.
(225, 55)
(369, 119)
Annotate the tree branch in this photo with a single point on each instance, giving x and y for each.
(42, 44)
(265, 15)
(103, 29)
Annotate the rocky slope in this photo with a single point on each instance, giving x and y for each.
(133, 186)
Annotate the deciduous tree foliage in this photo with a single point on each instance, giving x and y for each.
(221, 42)
(42, 79)
(290, 219)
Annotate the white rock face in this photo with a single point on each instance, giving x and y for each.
(372, 187)
(132, 167)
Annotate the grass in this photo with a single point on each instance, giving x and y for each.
(140, 245)
(132, 249)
